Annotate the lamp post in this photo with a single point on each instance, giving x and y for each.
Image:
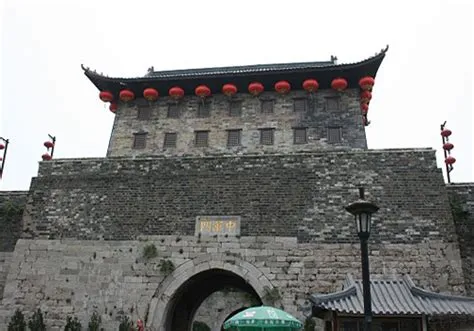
(362, 211)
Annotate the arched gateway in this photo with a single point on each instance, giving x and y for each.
(179, 296)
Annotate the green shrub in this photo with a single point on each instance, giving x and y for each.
(36, 322)
(150, 251)
(72, 324)
(309, 324)
(94, 323)
(17, 322)
(200, 326)
(126, 324)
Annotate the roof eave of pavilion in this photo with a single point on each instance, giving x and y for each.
(419, 301)
(241, 76)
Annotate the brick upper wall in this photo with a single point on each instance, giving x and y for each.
(299, 195)
(318, 117)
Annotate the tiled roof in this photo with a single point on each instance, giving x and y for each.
(393, 297)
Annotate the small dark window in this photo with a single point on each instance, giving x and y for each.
(299, 136)
(201, 138)
(267, 136)
(334, 134)
(267, 106)
(333, 103)
(233, 137)
(300, 105)
(170, 140)
(144, 113)
(139, 140)
(204, 109)
(235, 108)
(173, 110)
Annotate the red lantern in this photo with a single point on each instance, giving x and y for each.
(366, 83)
(48, 144)
(450, 160)
(282, 87)
(202, 91)
(2, 146)
(339, 84)
(113, 107)
(126, 95)
(255, 88)
(46, 157)
(150, 94)
(448, 146)
(229, 89)
(365, 108)
(1, 158)
(446, 133)
(310, 85)
(365, 96)
(106, 96)
(176, 93)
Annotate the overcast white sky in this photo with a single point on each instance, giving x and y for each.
(425, 79)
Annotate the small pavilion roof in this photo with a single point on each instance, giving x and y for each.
(392, 297)
(241, 76)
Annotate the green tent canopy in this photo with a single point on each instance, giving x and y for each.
(262, 318)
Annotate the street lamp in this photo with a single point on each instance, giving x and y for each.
(362, 211)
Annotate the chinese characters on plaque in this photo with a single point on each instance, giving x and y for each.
(221, 225)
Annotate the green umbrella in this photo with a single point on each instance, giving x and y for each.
(262, 318)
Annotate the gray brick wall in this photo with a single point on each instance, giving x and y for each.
(300, 195)
(317, 118)
(12, 204)
(462, 202)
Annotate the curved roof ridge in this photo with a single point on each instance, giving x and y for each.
(256, 68)
(425, 293)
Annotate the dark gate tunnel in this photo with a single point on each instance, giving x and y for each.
(195, 290)
(232, 314)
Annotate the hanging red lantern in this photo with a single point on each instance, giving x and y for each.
(176, 93)
(446, 133)
(450, 160)
(150, 94)
(46, 157)
(229, 89)
(365, 108)
(106, 96)
(255, 88)
(365, 96)
(282, 87)
(126, 95)
(310, 85)
(367, 83)
(448, 146)
(48, 144)
(202, 91)
(113, 107)
(339, 84)
(2, 146)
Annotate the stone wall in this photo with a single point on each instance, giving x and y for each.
(300, 195)
(72, 277)
(319, 115)
(462, 203)
(12, 204)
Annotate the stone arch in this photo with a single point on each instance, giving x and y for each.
(223, 316)
(162, 300)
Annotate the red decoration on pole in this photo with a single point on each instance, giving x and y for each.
(255, 88)
(2, 146)
(150, 94)
(106, 96)
(339, 84)
(202, 91)
(113, 107)
(46, 157)
(282, 87)
(367, 83)
(445, 133)
(126, 95)
(48, 144)
(450, 160)
(176, 93)
(365, 96)
(448, 146)
(310, 85)
(365, 108)
(229, 89)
